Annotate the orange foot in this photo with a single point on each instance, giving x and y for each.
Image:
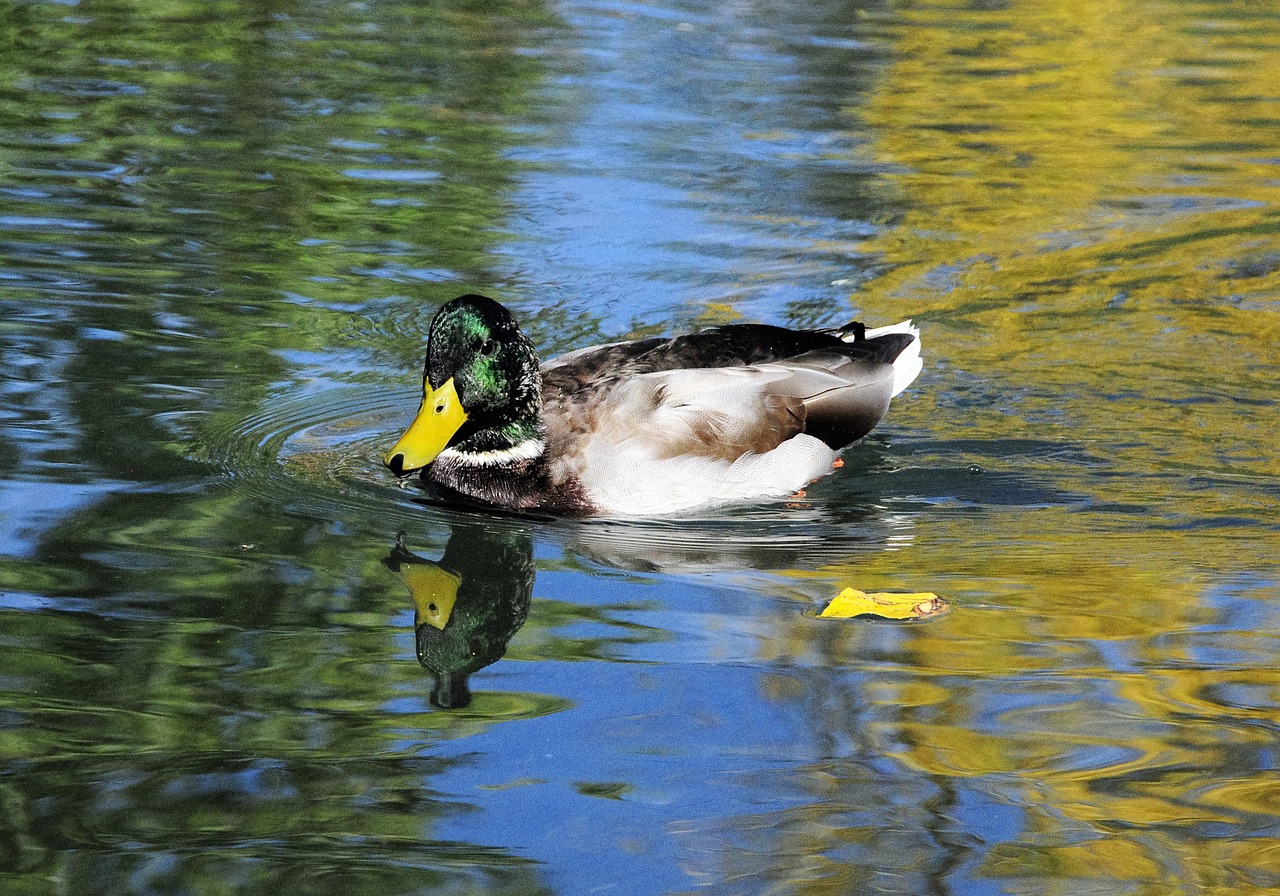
(837, 463)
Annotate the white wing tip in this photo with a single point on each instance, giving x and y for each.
(906, 326)
(907, 366)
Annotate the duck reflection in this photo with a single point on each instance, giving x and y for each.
(471, 602)
(468, 604)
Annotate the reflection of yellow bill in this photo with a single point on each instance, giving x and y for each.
(439, 417)
(851, 602)
(434, 590)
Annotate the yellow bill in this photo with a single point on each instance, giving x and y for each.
(851, 602)
(434, 590)
(439, 417)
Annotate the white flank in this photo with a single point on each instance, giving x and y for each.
(628, 481)
(529, 449)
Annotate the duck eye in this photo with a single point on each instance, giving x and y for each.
(488, 347)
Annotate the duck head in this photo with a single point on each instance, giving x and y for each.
(481, 389)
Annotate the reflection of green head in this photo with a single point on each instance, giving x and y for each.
(468, 605)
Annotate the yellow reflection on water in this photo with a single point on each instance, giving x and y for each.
(1089, 228)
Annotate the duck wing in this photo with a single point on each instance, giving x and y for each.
(730, 411)
(727, 412)
(728, 391)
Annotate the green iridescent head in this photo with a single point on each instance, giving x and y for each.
(476, 342)
(481, 387)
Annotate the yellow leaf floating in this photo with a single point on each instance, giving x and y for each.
(851, 602)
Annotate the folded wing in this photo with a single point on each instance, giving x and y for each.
(730, 411)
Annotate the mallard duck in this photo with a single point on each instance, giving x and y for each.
(652, 426)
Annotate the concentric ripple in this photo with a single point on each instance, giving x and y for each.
(319, 451)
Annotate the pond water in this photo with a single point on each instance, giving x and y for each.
(224, 228)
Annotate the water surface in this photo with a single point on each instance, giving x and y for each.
(224, 229)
